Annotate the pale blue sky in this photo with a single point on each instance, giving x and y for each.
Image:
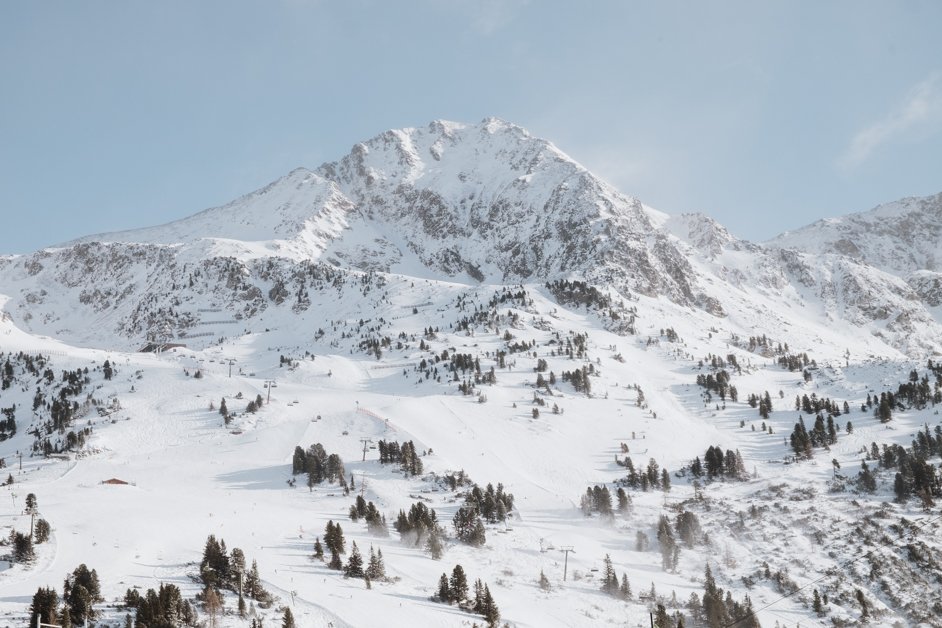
(764, 115)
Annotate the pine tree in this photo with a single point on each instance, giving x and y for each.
(458, 585)
(44, 605)
(434, 544)
(288, 621)
(318, 549)
(609, 578)
(816, 605)
(253, 582)
(661, 620)
(335, 562)
(376, 569)
(490, 611)
(354, 568)
(624, 592)
(444, 590)
(544, 581)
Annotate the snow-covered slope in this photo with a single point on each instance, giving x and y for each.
(474, 291)
(900, 237)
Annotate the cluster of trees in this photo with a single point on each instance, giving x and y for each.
(58, 399)
(915, 476)
(318, 465)
(719, 384)
(717, 362)
(918, 392)
(375, 521)
(817, 405)
(611, 584)
(882, 406)
(336, 544)
(221, 569)
(454, 590)
(487, 504)
(579, 378)
(22, 545)
(254, 405)
(718, 464)
(670, 550)
(651, 477)
(375, 569)
(80, 592)
(761, 344)
(32, 364)
(405, 455)
(163, 608)
(823, 434)
(717, 609)
(763, 402)
(578, 292)
(599, 499)
(797, 362)
(8, 423)
(420, 527)
(493, 505)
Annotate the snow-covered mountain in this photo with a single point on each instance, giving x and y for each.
(485, 203)
(903, 238)
(473, 291)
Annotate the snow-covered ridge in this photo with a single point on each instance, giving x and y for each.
(900, 237)
(485, 203)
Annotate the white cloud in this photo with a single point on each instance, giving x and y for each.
(921, 110)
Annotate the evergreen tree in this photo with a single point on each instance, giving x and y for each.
(434, 544)
(544, 581)
(333, 538)
(444, 590)
(22, 548)
(42, 531)
(44, 605)
(624, 592)
(214, 568)
(288, 620)
(624, 501)
(661, 620)
(458, 585)
(253, 583)
(609, 578)
(335, 562)
(490, 610)
(376, 569)
(354, 568)
(80, 592)
(318, 549)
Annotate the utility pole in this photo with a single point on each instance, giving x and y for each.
(269, 383)
(20, 454)
(365, 442)
(231, 362)
(566, 550)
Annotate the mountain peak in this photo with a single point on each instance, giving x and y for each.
(901, 237)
